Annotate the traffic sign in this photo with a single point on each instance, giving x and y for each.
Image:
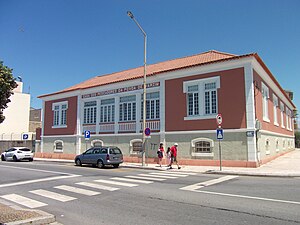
(220, 134)
(219, 119)
(147, 131)
(25, 136)
(87, 134)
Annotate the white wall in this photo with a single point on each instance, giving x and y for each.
(16, 114)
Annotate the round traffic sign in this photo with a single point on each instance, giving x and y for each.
(219, 119)
(147, 131)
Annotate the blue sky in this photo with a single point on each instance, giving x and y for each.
(54, 44)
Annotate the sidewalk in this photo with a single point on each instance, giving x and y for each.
(287, 165)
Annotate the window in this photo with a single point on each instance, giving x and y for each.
(275, 105)
(265, 96)
(97, 143)
(202, 147)
(277, 145)
(107, 111)
(281, 114)
(60, 114)
(136, 146)
(90, 112)
(210, 98)
(58, 146)
(202, 98)
(288, 119)
(152, 106)
(267, 147)
(128, 108)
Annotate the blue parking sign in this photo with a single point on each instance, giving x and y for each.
(220, 134)
(87, 134)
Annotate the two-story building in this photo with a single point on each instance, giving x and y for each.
(183, 97)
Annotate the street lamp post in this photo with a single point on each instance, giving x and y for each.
(144, 88)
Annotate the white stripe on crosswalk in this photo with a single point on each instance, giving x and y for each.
(146, 178)
(208, 183)
(77, 190)
(132, 180)
(116, 183)
(158, 176)
(175, 172)
(52, 195)
(98, 186)
(23, 201)
(170, 174)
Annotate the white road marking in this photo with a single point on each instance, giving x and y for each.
(38, 180)
(175, 172)
(146, 178)
(53, 195)
(97, 186)
(132, 180)
(23, 201)
(77, 190)
(248, 197)
(170, 174)
(207, 183)
(158, 176)
(116, 183)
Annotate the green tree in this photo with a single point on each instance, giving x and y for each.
(297, 139)
(7, 84)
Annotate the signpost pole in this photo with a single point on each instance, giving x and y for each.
(220, 155)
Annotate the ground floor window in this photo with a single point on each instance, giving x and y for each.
(202, 147)
(97, 143)
(136, 146)
(58, 146)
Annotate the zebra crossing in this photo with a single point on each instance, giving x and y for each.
(91, 188)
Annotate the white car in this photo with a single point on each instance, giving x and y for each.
(17, 153)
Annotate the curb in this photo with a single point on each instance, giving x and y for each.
(255, 174)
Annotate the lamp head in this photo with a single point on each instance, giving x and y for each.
(130, 14)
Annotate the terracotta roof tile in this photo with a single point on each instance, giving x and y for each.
(175, 64)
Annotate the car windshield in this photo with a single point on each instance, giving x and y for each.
(25, 149)
(115, 151)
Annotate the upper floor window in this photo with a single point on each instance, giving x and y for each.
(281, 114)
(90, 112)
(202, 100)
(60, 114)
(107, 110)
(275, 106)
(265, 97)
(127, 108)
(152, 106)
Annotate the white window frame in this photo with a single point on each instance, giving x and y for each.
(281, 114)
(131, 146)
(204, 154)
(54, 146)
(201, 97)
(107, 111)
(275, 106)
(90, 113)
(60, 114)
(267, 146)
(130, 109)
(277, 145)
(95, 141)
(265, 97)
(152, 106)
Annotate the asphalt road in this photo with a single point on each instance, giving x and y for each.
(151, 197)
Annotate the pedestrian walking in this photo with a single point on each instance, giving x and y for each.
(169, 156)
(174, 156)
(160, 153)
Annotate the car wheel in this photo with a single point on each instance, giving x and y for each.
(100, 164)
(15, 158)
(2, 158)
(116, 165)
(78, 162)
(31, 159)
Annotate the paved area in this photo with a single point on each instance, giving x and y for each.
(287, 165)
